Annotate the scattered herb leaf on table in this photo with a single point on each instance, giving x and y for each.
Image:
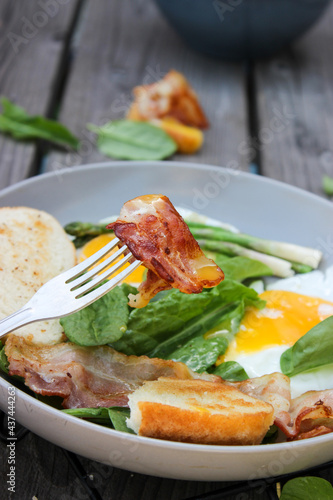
(328, 185)
(15, 121)
(307, 488)
(130, 140)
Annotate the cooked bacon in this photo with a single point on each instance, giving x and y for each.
(92, 377)
(86, 377)
(157, 235)
(170, 97)
(273, 388)
(311, 414)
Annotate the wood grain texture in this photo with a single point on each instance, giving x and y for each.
(32, 39)
(295, 109)
(43, 471)
(125, 43)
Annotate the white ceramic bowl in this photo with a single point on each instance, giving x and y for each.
(255, 205)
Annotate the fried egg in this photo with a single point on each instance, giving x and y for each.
(293, 307)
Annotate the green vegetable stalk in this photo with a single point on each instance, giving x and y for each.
(279, 267)
(288, 251)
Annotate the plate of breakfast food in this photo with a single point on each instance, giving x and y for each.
(213, 360)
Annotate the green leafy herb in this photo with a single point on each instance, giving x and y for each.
(307, 488)
(314, 349)
(230, 370)
(97, 415)
(3, 360)
(271, 435)
(201, 352)
(160, 319)
(118, 418)
(241, 268)
(328, 185)
(226, 299)
(102, 322)
(113, 417)
(130, 140)
(177, 326)
(15, 121)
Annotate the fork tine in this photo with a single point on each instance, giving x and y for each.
(103, 289)
(101, 277)
(75, 271)
(83, 278)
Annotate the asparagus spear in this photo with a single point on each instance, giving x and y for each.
(288, 251)
(80, 229)
(217, 239)
(280, 267)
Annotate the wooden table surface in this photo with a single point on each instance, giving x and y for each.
(77, 61)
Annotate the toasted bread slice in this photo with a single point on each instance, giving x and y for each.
(198, 411)
(34, 249)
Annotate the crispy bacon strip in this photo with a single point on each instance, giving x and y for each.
(309, 415)
(157, 235)
(86, 377)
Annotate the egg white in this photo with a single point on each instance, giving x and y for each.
(314, 284)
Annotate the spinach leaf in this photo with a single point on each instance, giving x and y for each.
(230, 370)
(328, 185)
(241, 268)
(4, 364)
(307, 488)
(160, 319)
(15, 121)
(314, 349)
(130, 140)
(97, 415)
(113, 417)
(271, 435)
(202, 352)
(228, 297)
(102, 322)
(118, 418)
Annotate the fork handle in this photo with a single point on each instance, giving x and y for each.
(19, 318)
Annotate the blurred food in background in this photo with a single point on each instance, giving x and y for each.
(172, 105)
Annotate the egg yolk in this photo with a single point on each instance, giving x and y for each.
(286, 317)
(135, 278)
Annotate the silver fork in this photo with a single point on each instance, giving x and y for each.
(72, 290)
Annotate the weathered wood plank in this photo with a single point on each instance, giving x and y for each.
(295, 109)
(32, 40)
(125, 43)
(41, 471)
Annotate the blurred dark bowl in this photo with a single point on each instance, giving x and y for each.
(241, 29)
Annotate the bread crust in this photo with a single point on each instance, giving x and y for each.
(199, 411)
(174, 424)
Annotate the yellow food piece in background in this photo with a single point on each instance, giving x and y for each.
(99, 242)
(188, 139)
